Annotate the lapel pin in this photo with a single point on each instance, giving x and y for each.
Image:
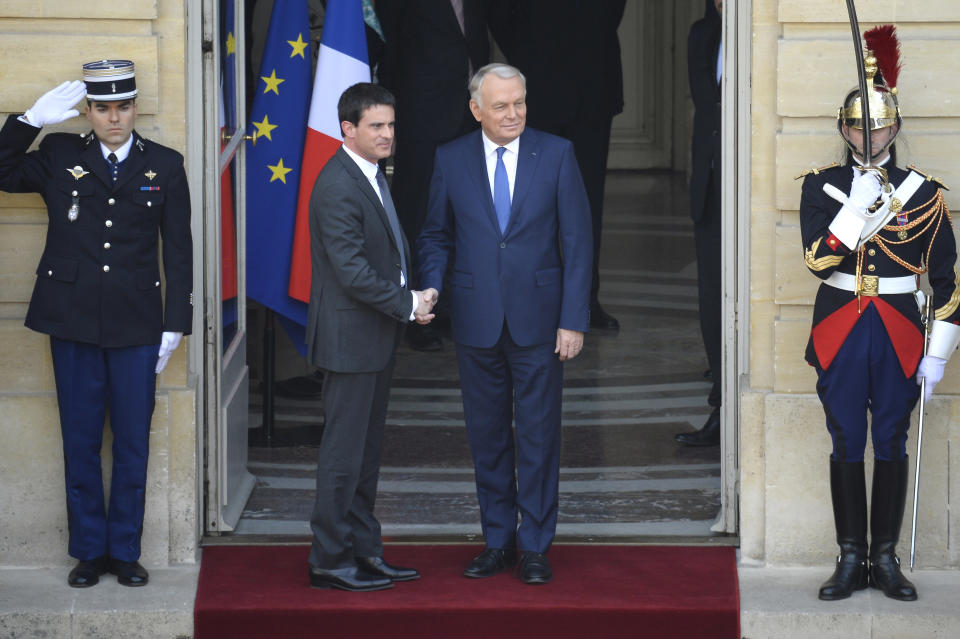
(150, 174)
(77, 172)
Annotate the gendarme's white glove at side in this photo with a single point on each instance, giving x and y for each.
(864, 191)
(168, 344)
(57, 104)
(931, 369)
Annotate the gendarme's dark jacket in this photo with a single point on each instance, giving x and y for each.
(928, 239)
(98, 280)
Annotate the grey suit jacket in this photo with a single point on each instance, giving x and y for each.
(357, 307)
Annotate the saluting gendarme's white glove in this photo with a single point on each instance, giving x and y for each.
(57, 104)
(931, 369)
(864, 191)
(168, 344)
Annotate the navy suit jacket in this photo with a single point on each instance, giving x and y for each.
(536, 274)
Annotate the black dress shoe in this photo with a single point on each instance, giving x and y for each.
(709, 435)
(601, 319)
(377, 566)
(87, 573)
(534, 568)
(424, 338)
(490, 562)
(353, 579)
(129, 573)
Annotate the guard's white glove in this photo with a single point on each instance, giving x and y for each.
(864, 191)
(930, 369)
(57, 104)
(168, 344)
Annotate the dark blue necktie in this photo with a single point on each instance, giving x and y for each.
(114, 166)
(501, 191)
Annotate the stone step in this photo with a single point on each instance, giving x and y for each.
(781, 603)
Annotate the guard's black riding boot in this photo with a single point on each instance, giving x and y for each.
(889, 495)
(848, 489)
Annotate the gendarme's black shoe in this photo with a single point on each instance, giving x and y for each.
(534, 568)
(377, 566)
(352, 579)
(129, 573)
(885, 575)
(709, 435)
(886, 515)
(490, 562)
(87, 573)
(601, 319)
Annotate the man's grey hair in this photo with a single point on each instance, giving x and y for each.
(504, 71)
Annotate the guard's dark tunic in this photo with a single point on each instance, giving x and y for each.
(98, 280)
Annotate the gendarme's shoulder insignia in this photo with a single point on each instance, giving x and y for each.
(929, 177)
(817, 170)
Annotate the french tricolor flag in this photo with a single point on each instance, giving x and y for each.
(341, 63)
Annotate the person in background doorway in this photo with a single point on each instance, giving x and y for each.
(111, 195)
(705, 65)
(432, 48)
(552, 41)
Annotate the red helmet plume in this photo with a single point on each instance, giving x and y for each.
(883, 42)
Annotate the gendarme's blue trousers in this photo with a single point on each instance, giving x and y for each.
(866, 375)
(88, 377)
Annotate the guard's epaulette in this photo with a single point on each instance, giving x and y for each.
(929, 177)
(817, 170)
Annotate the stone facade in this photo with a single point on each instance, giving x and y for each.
(43, 43)
(802, 65)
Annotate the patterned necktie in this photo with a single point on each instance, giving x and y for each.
(392, 217)
(114, 166)
(501, 191)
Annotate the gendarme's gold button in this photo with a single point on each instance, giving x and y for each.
(106, 268)
(106, 245)
(108, 223)
(871, 267)
(111, 201)
(872, 252)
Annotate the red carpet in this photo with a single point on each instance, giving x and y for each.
(597, 591)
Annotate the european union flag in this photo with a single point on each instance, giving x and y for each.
(279, 121)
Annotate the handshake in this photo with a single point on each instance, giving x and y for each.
(426, 300)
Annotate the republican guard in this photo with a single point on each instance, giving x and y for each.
(110, 195)
(868, 233)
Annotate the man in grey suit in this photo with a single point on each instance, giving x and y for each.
(359, 306)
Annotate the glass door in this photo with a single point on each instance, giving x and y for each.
(228, 482)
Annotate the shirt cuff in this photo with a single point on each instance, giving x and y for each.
(416, 303)
(25, 118)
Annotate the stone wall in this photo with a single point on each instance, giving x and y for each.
(43, 43)
(802, 66)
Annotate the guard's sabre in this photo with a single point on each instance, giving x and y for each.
(862, 81)
(923, 392)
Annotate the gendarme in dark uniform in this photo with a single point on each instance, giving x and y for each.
(868, 233)
(111, 195)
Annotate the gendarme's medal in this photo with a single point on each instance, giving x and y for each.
(74, 211)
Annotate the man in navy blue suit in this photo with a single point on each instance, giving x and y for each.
(507, 205)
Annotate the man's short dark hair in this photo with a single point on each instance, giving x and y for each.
(360, 97)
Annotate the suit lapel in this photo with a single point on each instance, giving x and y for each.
(136, 160)
(365, 187)
(93, 157)
(527, 160)
(482, 179)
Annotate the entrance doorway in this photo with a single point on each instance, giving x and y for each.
(623, 476)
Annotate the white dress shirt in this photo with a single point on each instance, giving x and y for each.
(369, 170)
(509, 160)
(121, 153)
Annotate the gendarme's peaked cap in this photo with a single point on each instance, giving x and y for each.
(110, 80)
